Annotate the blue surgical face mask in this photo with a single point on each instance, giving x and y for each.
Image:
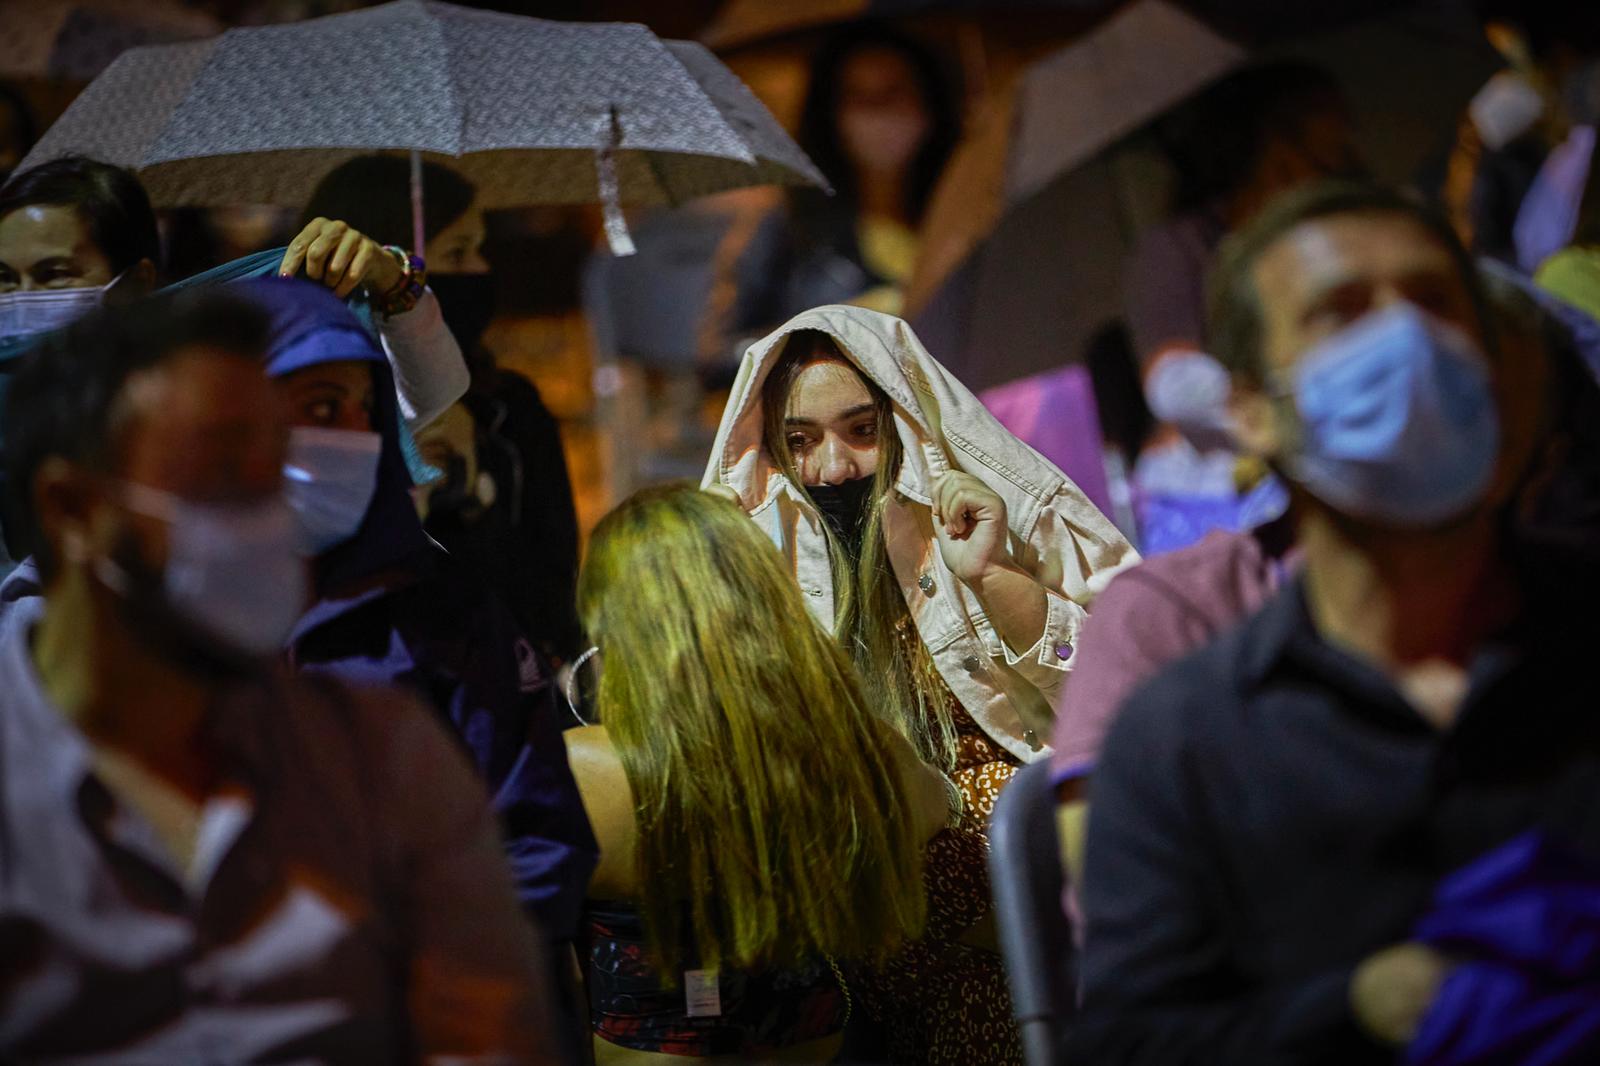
(232, 571)
(329, 478)
(23, 314)
(1397, 420)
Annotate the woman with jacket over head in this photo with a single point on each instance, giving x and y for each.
(953, 563)
(758, 825)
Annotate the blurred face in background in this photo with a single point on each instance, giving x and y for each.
(458, 248)
(49, 246)
(883, 119)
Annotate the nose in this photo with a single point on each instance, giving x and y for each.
(838, 462)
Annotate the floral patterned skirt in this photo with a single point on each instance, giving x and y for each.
(939, 1001)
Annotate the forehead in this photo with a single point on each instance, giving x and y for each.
(202, 409)
(875, 70)
(1375, 246)
(825, 388)
(349, 374)
(470, 224)
(43, 231)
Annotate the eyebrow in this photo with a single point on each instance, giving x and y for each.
(844, 416)
(53, 262)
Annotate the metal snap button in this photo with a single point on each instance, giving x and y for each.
(925, 583)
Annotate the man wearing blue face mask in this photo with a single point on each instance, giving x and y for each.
(1271, 816)
(205, 859)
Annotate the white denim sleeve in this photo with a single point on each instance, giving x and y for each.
(1051, 655)
(429, 372)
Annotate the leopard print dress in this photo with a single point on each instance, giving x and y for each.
(939, 1001)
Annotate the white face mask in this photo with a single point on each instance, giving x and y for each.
(882, 140)
(329, 479)
(233, 571)
(23, 314)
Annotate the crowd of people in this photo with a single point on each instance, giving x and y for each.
(314, 749)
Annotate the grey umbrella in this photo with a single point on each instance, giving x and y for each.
(531, 111)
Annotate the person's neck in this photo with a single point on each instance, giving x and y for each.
(115, 689)
(882, 195)
(1403, 597)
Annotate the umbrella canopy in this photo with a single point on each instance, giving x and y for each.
(74, 40)
(530, 111)
(1024, 243)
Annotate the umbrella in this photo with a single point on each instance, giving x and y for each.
(1023, 247)
(1047, 131)
(530, 111)
(73, 40)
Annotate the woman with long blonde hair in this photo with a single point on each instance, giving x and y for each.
(952, 563)
(758, 824)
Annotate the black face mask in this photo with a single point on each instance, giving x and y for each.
(844, 507)
(467, 301)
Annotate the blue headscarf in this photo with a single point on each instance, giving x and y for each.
(309, 325)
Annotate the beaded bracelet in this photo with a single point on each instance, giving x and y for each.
(405, 293)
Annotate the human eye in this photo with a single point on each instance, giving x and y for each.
(323, 412)
(866, 431)
(797, 442)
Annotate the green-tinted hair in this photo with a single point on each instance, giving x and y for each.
(769, 808)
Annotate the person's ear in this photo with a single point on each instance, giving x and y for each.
(1253, 421)
(63, 499)
(137, 282)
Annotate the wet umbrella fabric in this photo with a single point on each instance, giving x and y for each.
(530, 111)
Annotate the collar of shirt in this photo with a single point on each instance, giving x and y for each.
(47, 765)
(1284, 640)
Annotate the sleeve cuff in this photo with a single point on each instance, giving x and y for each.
(1056, 644)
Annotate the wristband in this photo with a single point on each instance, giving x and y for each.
(405, 293)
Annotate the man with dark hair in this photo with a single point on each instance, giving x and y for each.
(206, 860)
(78, 226)
(1271, 815)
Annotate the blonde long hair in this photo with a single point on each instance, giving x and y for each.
(871, 619)
(769, 806)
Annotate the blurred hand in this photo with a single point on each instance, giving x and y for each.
(341, 258)
(969, 520)
(1392, 990)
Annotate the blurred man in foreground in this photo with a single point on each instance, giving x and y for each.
(204, 860)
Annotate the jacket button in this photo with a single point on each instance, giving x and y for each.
(1032, 739)
(970, 664)
(818, 592)
(925, 583)
(1064, 650)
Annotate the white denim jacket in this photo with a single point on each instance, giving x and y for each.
(1057, 535)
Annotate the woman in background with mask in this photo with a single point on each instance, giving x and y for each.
(514, 522)
(389, 607)
(952, 562)
(880, 120)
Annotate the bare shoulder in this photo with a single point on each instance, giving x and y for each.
(608, 801)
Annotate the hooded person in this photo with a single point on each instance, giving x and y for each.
(955, 563)
(389, 605)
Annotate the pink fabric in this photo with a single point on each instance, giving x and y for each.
(1054, 412)
(1147, 617)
